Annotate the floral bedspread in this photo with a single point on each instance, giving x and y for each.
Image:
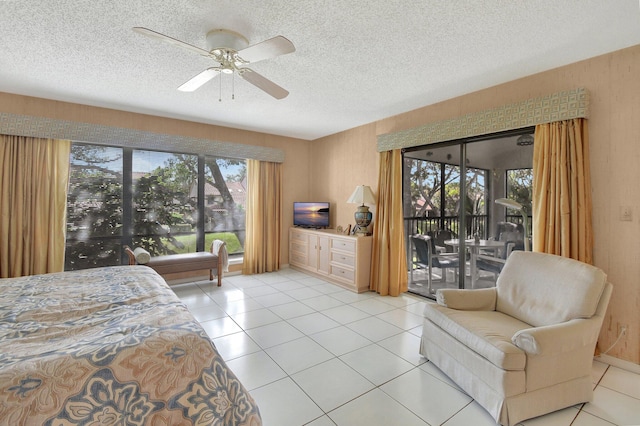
(110, 346)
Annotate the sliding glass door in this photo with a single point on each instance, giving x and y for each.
(457, 236)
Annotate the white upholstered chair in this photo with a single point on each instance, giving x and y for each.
(525, 347)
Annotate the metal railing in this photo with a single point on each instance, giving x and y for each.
(476, 224)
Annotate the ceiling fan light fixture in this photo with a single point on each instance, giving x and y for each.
(226, 40)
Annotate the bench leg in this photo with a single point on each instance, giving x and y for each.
(210, 274)
(219, 277)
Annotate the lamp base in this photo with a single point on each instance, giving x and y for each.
(363, 219)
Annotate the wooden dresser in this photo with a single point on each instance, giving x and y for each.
(344, 260)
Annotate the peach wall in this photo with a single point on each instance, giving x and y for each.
(296, 173)
(614, 87)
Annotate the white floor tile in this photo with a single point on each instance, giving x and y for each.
(272, 277)
(322, 421)
(326, 288)
(291, 310)
(374, 328)
(287, 286)
(586, 419)
(257, 318)
(220, 327)
(373, 306)
(332, 384)
(401, 319)
(303, 293)
(274, 299)
(313, 323)
(345, 314)
(431, 399)
(622, 381)
(274, 334)
(472, 414)
(405, 345)
(347, 296)
(374, 408)
(376, 364)
(322, 302)
(340, 340)
(261, 290)
(256, 370)
(614, 407)
(228, 295)
(239, 306)
(235, 345)
(298, 354)
(208, 313)
(283, 403)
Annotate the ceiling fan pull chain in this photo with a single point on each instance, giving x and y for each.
(220, 92)
(233, 86)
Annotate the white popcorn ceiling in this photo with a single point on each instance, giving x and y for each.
(356, 61)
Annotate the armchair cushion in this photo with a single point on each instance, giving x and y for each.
(487, 333)
(468, 300)
(527, 291)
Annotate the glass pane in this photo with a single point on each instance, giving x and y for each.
(519, 187)
(164, 201)
(94, 207)
(225, 202)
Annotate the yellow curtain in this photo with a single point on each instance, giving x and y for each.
(34, 176)
(388, 259)
(562, 221)
(263, 219)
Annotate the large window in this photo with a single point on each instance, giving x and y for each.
(94, 207)
(164, 202)
(164, 213)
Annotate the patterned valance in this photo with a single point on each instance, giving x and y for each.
(42, 127)
(555, 107)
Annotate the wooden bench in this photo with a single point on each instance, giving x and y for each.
(187, 262)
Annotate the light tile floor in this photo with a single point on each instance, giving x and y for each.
(311, 353)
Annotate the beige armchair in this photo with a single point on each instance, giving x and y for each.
(525, 347)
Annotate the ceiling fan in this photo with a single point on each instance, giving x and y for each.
(232, 52)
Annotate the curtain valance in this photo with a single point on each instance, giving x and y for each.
(555, 107)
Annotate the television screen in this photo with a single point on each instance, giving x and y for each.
(311, 215)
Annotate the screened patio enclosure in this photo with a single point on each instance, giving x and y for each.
(456, 234)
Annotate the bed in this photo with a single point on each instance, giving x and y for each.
(110, 346)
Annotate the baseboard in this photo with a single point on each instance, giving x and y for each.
(620, 363)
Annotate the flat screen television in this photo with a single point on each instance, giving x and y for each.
(311, 215)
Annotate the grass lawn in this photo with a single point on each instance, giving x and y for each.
(189, 241)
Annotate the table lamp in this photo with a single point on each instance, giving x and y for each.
(363, 216)
(511, 204)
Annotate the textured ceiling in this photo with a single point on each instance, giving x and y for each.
(356, 61)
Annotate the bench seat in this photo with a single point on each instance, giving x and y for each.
(185, 262)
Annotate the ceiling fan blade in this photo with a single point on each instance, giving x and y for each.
(199, 80)
(153, 34)
(263, 83)
(271, 48)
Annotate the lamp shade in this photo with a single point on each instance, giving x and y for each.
(509, 203)
(362, 195)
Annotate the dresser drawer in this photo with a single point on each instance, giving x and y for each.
(297, 258)
(344, 274)
(298, 247)
(343, 259)
(344, 245)
(299, 237)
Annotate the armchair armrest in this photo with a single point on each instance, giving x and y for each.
(467, 300)
(558, 338)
